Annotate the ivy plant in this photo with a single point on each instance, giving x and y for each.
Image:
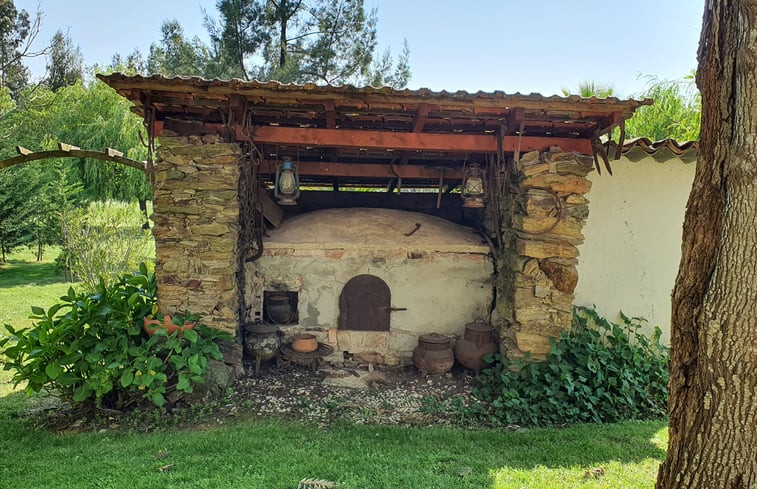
(597, 371)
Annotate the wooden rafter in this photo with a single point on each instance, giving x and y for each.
(516, 119)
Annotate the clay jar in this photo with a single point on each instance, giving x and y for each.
(477, 342)
(304, 343)
(433, 355)
(261, 342)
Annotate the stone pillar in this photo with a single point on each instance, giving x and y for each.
(545, 212)
(196, 215)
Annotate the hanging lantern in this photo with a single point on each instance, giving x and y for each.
(287, 185)
(473, 187)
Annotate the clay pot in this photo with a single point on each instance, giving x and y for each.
(433, 355)
(304, 343)
(261, 342)
(477, 342)
(151, 325)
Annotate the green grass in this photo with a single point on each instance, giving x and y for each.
(277, 454)
(25, 283)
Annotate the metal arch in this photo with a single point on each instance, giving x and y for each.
(73, 153)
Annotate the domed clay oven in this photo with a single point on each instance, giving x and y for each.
(371, 281)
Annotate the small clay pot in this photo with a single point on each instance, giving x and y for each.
(304, 343)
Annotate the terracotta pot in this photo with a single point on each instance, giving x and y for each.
(304, 343)
(152, 325)
(433, 355)
(477, 342)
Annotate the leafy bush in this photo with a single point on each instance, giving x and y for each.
(104, 241)
(91, 348)
(598, 372)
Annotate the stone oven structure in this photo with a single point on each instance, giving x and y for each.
(364, 284)
(379, 247)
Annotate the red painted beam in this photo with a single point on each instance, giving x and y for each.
(403, 141)
(458, 143)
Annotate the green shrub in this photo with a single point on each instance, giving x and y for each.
(91, 348)
(597, 371)
(103, 242)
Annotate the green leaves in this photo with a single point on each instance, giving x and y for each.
(53, 370)
(88, 345)
(127, 378)
(597, 372)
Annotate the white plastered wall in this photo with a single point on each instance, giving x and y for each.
(632, 250)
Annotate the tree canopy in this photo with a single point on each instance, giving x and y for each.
(675, 114)
(321, 41)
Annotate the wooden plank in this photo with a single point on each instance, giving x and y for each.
(421, 118)
(270, 209)
(350, 138)
(330, 114)
(515, 119)
(460, 143)
(365, 170)
(357, 139)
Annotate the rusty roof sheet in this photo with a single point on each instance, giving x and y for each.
(662, 150)
(120, 80)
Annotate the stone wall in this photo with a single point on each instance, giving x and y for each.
(196, 215)
(545, 211)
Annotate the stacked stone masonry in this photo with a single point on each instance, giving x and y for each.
(196, 215)
(546, 211)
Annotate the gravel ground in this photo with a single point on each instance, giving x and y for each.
(380, 395)
(353, 392)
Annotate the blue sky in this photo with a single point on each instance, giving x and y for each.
(511, 45)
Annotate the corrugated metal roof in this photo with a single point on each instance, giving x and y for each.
(237, 85)
(662, 150)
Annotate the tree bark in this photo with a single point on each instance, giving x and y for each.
(713, 364)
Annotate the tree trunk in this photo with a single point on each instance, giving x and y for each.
(713, 364)
(283, 37)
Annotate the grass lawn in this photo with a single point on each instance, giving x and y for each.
(25, 283)
(277, 454)
(255, 453)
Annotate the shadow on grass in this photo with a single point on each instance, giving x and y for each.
(14, 273)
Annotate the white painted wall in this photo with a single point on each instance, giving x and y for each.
(630, 258)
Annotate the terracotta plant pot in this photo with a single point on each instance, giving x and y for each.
(152, 325)
(304, 343)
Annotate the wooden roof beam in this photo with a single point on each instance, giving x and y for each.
(365, 170)
(359, 139)
(458, 143)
